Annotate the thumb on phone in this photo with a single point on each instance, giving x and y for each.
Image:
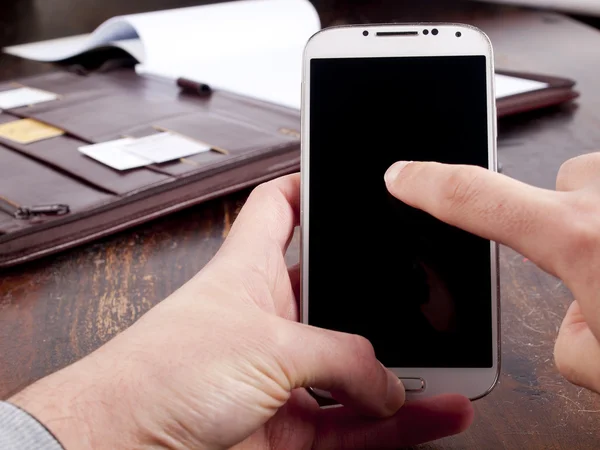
(343, 364)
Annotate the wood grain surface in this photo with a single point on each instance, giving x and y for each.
(56, 310)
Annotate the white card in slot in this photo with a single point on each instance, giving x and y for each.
(113, 155)
(163, 147)
(24, 96)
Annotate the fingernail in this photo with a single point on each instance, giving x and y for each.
(395, 393)
(392, 173)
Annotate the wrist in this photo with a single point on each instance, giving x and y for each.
(79, 409)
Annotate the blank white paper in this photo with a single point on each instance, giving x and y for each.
(574, 6)
(507, 86)
(249, 47)
(67, 47)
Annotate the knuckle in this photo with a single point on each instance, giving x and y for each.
(277, 343)
(272, 201)
(582, 236)
(366, 366)
(282, 338)
(361, 346)
(579, 171)
(461, 186)
(581, 233)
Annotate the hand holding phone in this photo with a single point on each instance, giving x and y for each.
(423, 292)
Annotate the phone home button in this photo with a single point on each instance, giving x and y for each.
(413, 384)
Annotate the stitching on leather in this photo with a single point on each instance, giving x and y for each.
(10, 202)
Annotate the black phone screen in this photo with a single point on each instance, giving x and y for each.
(417, 288)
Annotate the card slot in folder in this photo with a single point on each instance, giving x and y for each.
(103, 115)
(182, 166)
(230, 135)
(62, 83)
(242, 141)
(274, 119)
(25, 182)
(70, 85)
(61, 152)
(558, 91)
(8, 223)
(194, 163)
(57, 113)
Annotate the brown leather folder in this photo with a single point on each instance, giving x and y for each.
(559, 90)
(52, 197)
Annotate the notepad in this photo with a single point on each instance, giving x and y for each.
(250, 47)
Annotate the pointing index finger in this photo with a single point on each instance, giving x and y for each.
(479, 201)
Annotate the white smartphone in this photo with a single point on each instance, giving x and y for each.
(423, 292)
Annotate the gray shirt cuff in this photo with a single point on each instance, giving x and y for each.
(20, 431)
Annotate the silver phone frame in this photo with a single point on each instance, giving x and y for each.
(474, 383)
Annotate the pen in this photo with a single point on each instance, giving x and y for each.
(185, 84)
(193, 86)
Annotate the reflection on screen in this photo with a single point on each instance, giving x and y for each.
(418, 289)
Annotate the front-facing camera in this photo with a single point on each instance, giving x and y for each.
(365, 33)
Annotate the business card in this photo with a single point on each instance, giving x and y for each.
(24, 96)
(26, 131)
(112, 154)
(165, 146)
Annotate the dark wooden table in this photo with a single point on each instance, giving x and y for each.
(56, 310)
